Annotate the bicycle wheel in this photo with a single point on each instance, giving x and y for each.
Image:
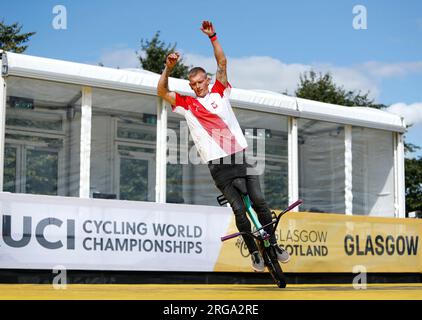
(272, 264)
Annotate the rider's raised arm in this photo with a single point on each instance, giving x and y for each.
(220, 57)
(163, 88)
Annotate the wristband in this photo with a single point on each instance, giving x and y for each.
(213, 37)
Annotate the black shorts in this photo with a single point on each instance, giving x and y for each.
(224, 170)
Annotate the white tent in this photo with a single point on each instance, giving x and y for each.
(118, 89)
(139, 81)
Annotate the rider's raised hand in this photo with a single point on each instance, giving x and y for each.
(207, 28)
(172, 59)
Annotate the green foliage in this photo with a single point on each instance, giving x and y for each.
(9, 178)
(133, 179)
(155, 53)
(41, 172)
(413, 181)
(11, 39)
(322, 88)
(410, 147)
(40, 175)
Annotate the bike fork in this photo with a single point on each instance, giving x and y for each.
(254, 217)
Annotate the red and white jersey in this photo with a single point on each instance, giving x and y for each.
(212, 123)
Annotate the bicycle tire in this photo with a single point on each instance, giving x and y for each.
(272, 264)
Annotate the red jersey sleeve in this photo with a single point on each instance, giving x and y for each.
(181, 101)
(219, 88)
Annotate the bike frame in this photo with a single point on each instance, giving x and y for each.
(254, 217)
(263, 235)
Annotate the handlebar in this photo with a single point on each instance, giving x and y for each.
(293, 205)
(230, 236)
(234, 235)
(290, 207)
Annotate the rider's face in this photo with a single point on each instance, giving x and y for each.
(199, 84)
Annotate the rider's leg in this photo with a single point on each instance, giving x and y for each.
(264, 214)
(223, 171)
(243, 225)
(242, 222)
(259, 204)
(223, 175)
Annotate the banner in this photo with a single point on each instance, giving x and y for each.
(44, 232)
(41, 232)
(338, 243)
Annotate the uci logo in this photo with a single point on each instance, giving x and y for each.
(40, 233)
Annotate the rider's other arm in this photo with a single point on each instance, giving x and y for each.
(162, 87)
(220, 57)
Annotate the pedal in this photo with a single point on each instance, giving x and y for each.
(265, 236)
(222, 200)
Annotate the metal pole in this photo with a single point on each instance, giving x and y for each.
(293, 159)
(85, 155)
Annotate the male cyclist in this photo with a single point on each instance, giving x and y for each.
(220, 140)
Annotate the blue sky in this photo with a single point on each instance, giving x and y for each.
(268, 43)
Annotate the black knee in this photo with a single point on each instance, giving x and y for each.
(242, 222)
(259, 204)
(244, 225)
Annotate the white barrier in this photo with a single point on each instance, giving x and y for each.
(39, 232)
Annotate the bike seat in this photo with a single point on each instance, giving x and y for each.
(240, 185)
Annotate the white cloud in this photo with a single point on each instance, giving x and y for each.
(385, 70)
(352, 78)
(412, 113)
(267, 73)
(122, 58)
(255, 72)
(261, 72)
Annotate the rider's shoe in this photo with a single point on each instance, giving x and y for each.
(282, 255)
(257, 262)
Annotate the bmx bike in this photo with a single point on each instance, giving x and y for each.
(261, 236)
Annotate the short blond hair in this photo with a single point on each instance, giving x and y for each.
(194, 71)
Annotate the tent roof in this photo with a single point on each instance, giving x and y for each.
(142, 81)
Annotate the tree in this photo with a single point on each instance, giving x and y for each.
(155, 55)
(410, 147)
(11, 39)
(322, 88)
(413, 179)
(413, 182)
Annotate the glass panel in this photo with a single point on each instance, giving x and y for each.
(321, 166)
(10, 155)
(41, 172)
(373, 172)
(16, 120)
(136, 133)
(176, 146)
(31, 141)
(266, 134)
(123, 142)
(174, 189)
(42, 137)
(133, 185)
(189, 181)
